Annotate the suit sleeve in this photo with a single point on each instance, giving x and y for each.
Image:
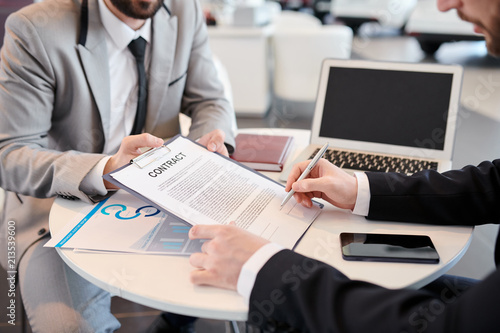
(469, 196)
(27, 88)
(293, 293)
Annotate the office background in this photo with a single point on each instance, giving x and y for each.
(478, 123)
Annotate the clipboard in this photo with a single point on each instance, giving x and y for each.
(142, 161)
(160, 153)
(155, 154)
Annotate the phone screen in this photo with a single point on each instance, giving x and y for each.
(388, 247)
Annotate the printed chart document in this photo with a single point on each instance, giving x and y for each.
(124, 223)
(202, 187)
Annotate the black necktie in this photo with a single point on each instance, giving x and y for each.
(138, 49)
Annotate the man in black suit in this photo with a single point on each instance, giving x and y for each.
(289, 292)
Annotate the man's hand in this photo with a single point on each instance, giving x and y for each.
(129, 149)
(325, 181)
(214, 141)
(223, 255)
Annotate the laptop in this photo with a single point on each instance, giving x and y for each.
(385, 116)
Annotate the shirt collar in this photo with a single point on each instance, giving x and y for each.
(120, 33)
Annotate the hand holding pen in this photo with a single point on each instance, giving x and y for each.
(325, 181)
(306, 172)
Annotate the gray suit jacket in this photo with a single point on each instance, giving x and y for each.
(55, 102)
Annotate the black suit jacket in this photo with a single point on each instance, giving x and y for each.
(296, 293)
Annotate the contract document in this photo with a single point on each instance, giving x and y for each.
(201, 187)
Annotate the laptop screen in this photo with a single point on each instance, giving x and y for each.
(403, 108)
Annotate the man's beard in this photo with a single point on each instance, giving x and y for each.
(491, 35)
(137, 10)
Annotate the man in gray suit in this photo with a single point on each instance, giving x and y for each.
(68, 100)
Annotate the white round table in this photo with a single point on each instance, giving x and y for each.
(162, 281)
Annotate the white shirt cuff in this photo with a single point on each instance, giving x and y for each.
(251, 268)
(362, 205)
(94, 180)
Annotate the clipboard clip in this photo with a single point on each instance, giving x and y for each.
(150, 156)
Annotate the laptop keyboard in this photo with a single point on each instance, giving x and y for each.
(372, 162)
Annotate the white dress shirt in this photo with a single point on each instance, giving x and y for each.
(251, 268)
(123, 87)
(123, 74)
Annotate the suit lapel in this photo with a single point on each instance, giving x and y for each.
(94, 57)
(163, 49)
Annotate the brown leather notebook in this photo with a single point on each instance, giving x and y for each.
(262, 152)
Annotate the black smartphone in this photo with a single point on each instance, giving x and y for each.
(388, 247)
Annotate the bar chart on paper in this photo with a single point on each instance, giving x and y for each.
(123, 223)
(173, 237)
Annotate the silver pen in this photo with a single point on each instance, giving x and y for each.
(304, 174)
